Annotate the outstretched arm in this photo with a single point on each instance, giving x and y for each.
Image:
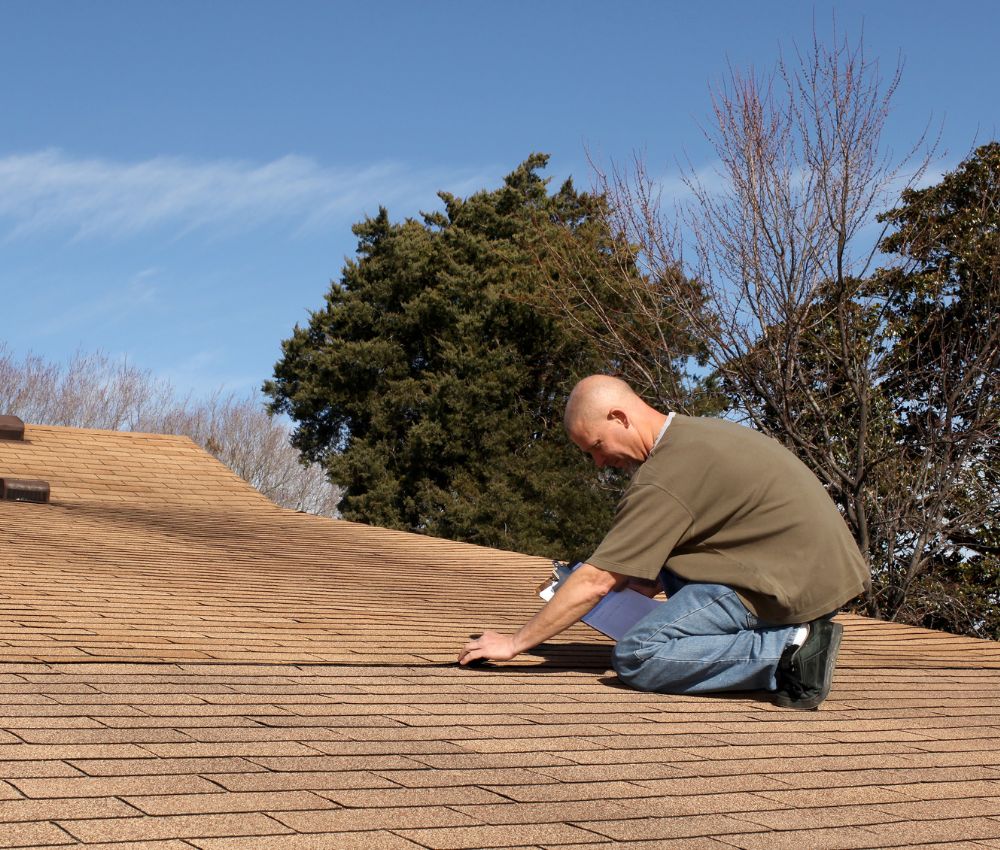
(581, 591)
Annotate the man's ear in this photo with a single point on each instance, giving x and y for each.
(619, 415)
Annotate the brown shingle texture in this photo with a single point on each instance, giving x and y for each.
(184, 665)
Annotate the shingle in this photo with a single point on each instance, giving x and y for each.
(443, 778)
(481, 837)
(699, 804)
(8, 792)
(529, 745)
(414, 749)
(334, 763)
(36, 768)
(839, 838)
(835, 796)
(819, 778)
(157, 766)
(16, 811)
(110, 787)
(643, 828)
(33, 835)
(101, 735)
(250, 732)
(655, 844)
(173, 826)
(821, 817)
(490, 761)
(378, 840)
(300, 781)
(949, 808)
(958, 828)
(727, 784)
(947, 790)
(569, 791)
(397, 797)
(175, 725)
(350, 820)
(227, 801)
(635, 772)
(168, 844)
(228, 672)
(247, 750)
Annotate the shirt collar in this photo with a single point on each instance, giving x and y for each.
(663, 430)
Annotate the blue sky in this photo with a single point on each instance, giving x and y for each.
(178, 179)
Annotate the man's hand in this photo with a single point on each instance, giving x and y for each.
(491, 646)
(577, 595)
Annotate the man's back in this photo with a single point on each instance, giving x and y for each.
(721, 503)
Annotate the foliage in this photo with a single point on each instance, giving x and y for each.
(94, 391)
(432, 387)
(892, 397)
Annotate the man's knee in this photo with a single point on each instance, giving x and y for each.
(628, 663)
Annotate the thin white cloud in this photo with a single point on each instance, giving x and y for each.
(674, 185)
(204, 373)
(117, 304)
(49, 191)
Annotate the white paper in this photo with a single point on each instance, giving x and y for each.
(617, 612)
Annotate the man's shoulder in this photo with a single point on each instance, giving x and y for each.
(696, 425)
(689, 433)
(695, 449)
(684, 434)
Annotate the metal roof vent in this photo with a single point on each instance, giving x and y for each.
(11, 428)
(22, 490)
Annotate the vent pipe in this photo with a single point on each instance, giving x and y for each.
(11, 428)
(22, 490)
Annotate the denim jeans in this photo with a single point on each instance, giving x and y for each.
(702, 639)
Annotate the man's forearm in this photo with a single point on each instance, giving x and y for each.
(578, 595)
(584, 588)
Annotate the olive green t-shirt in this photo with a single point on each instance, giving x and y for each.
(716, 502)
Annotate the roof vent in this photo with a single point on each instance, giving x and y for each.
(11, 428)
(22, 490)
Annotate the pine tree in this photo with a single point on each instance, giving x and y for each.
(432, 387)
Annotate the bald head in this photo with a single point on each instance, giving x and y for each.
(594, 397)
(608, 420)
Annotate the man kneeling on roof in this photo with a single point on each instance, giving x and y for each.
(750, 550)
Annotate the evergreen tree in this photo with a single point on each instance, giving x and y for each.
(943, 301)
(432, 387)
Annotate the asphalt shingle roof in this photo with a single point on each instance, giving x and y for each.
(182, 664)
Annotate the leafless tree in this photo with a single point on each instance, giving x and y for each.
(627, 295)
(255, 445)
(96, 391)
(771, 266)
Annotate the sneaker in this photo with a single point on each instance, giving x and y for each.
(805, 673)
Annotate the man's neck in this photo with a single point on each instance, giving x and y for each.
(655, 426)
(667, 419)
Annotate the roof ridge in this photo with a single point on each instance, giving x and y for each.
(106, 432)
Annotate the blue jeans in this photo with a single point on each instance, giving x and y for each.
(702, 639)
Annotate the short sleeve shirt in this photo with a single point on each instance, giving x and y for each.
(717, 502)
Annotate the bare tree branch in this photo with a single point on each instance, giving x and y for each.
(95, 391)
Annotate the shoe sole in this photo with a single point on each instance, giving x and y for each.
(813, 702)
